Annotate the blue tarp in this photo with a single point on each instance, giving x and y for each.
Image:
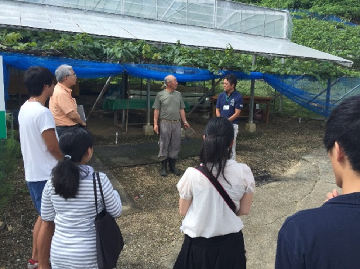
(92, 69)
(82, 68)
(158, 72)
(300, 89)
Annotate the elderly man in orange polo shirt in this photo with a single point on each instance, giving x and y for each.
(62, 105)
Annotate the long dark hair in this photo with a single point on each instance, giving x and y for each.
(216, 150)
(65, 176)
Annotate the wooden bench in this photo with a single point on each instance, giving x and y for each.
(246, 109)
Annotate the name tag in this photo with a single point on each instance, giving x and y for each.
(226, 107)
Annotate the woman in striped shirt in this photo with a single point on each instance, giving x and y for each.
(68, 201)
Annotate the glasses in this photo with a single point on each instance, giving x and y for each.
(72, 75)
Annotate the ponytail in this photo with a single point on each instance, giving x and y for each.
(65, 176)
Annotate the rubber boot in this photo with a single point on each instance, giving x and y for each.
(172, 168)
(163, 172)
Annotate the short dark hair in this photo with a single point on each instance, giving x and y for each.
(231, 78)
(65, 175)
(343, 126)
(35, 78)
(216, 150)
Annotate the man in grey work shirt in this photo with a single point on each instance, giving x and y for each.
(169, 108)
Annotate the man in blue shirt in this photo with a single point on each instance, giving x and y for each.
(229, 105)
(329, 236)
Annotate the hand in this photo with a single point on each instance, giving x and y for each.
(332, 194)
(186, 125)
(156, 129)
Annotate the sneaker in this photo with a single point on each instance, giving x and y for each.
(32, 264)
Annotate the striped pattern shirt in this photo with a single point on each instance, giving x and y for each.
(74, 242)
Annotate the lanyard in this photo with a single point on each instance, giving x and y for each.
(228, 98)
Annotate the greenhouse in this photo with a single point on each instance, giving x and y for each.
(211, 24)
(196, 23)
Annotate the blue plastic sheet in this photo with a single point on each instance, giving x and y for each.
(159, 72)
(82, 68)
(300, 89)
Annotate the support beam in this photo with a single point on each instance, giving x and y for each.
(100, 95)
(328, 92)
(148, 129)
(251, 126)
(148, 101)
(3, 133)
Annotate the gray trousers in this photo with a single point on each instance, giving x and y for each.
(170, 139)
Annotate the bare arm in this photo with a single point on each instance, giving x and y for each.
(52, 143)
(44, 242)
(245, 204)
(218, 112)
(183, 118)
(75, 117)
(235, 115)
(184, 206)
(156, 119)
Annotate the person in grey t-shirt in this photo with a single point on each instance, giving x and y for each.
(169, 108)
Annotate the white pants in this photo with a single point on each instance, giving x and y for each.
(236, 129)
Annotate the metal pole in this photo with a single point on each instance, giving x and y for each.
(148, 102)
(124, 96)
(212, 94)
(187, 4)
(328, 91)
(100, 95)
(214, 15)
(252, 94)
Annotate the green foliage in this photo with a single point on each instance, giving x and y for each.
(346, 9)
(10, 154)
(331, 37)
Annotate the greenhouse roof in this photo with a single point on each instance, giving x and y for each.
(198, 23)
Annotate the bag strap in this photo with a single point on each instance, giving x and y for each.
(218, 187)
(100, 187)
(95, 193)
(101, 191)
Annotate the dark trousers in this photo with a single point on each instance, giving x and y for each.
(62, 129)
(219, 252)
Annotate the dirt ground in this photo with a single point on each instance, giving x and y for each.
(152, 236)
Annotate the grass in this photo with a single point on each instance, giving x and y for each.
(9, 159)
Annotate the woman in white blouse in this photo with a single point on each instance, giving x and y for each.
(68, 201)
(213, 236)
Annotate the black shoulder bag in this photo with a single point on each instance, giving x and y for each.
(109, 241)
(218, 187)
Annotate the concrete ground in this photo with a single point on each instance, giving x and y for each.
(303, 186)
